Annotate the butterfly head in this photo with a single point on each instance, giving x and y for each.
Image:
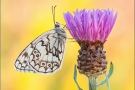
(57, 25)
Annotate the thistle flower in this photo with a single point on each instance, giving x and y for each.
(90, 29)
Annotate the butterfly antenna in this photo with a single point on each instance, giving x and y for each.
(53, 13)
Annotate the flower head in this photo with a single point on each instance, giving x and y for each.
(91, 29)
(90, 25)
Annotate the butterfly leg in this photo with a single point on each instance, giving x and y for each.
(70, 41)
(70, 38)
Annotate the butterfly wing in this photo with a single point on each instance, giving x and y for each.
(43, 55)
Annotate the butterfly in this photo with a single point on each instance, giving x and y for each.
(45, 53)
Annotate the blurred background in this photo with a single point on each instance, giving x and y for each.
(24, 20)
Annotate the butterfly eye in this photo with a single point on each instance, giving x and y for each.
(35, 51)
(24, 61)
(49, 65)
(43, 63)
(37, 55)
(54, 64)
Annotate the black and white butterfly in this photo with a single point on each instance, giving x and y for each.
(45, 53)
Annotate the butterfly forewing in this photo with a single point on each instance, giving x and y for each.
(44, 54)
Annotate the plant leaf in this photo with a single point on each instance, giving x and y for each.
(108, 84)
(107, 76)
(75, 78)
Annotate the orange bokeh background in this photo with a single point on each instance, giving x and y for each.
(24, 20)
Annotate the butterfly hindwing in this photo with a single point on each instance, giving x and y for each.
(22, 62)
(43, 55)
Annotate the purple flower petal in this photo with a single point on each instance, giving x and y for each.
(90, 25)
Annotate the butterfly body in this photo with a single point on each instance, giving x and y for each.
(44, 54)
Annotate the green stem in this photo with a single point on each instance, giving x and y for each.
(92, 83)
(75, 78)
